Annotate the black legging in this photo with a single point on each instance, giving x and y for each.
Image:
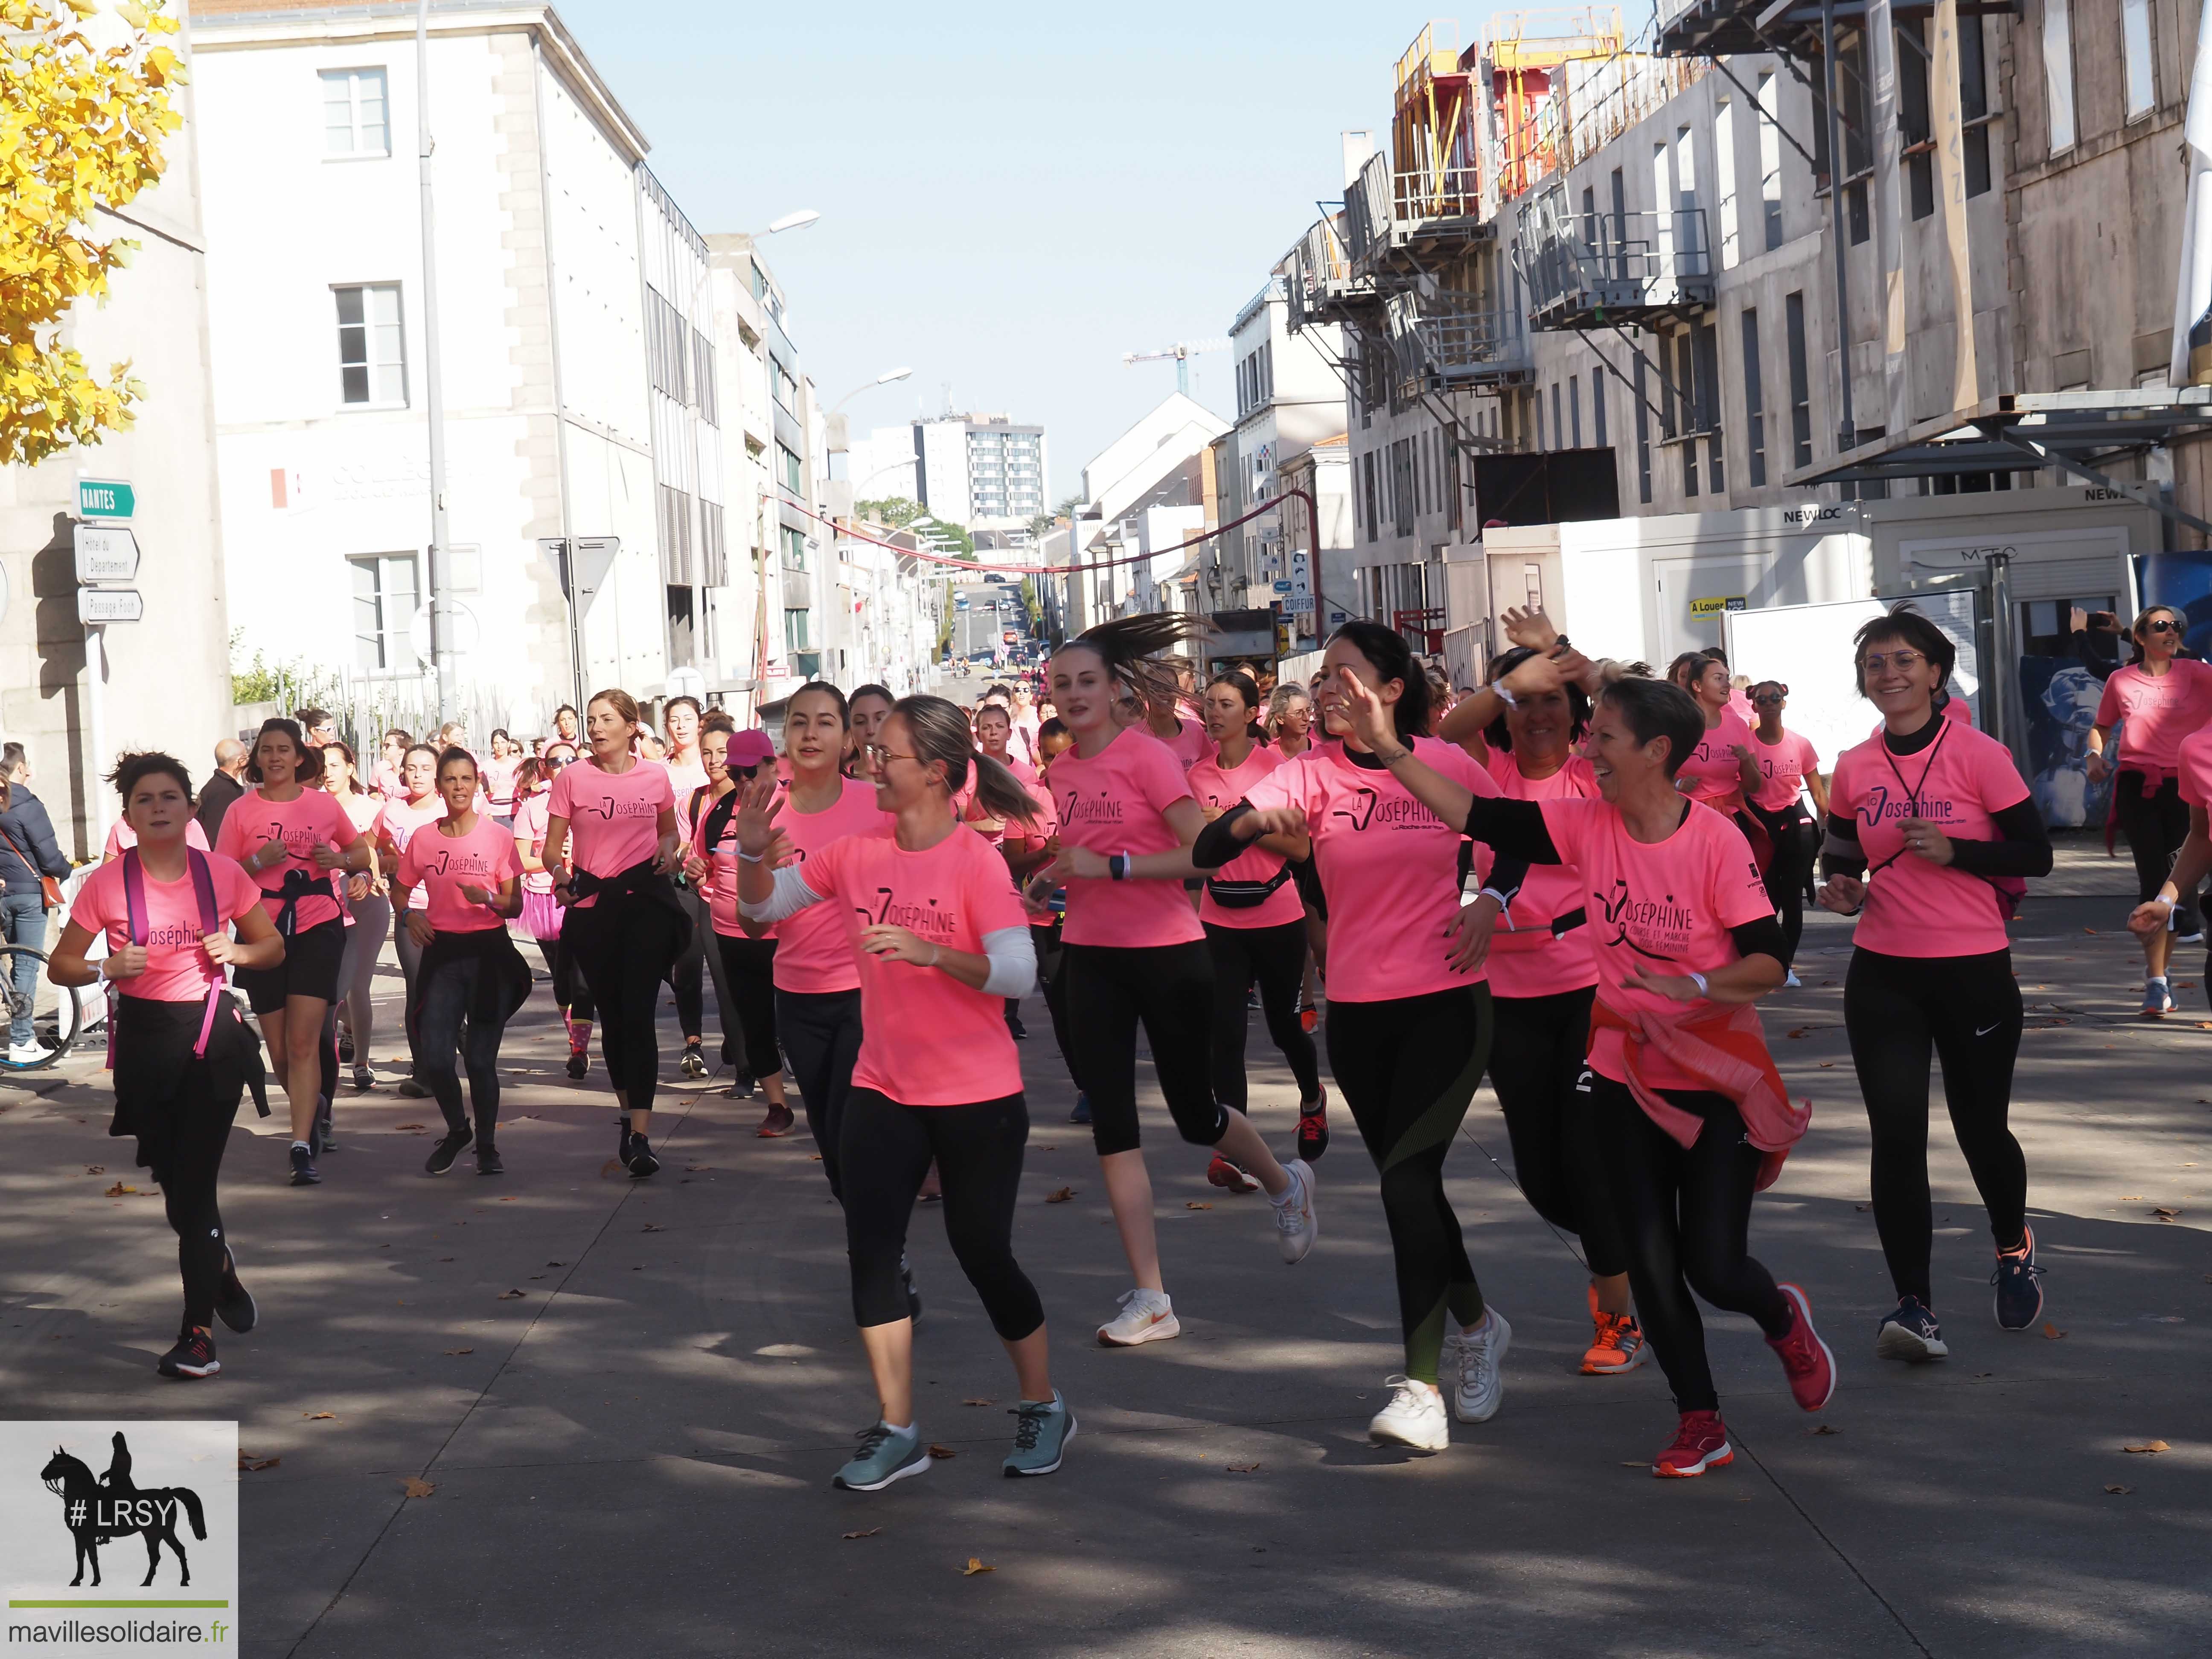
(1537, 1046)
(749, 970)
(2155, 825)
(1276, 958)
(1792, 832)
(187, 1169)
(888, 1149)
(569, 991)
(450, 1034)
(618, 942)
(1052, 980)
(1968, 1010)
(1170, 989)
(820, 1031)
(1406, 1069)
(1686, 1211)
(410, 973)
(686, 976)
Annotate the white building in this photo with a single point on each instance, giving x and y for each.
(979, 472)
(1144, 494)
(577, 359)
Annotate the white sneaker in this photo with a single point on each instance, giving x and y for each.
(1145, 1316)
(28, 1053)
(1297, 1226)
(1472, 1360)
(1415, 1417)
(1791, 983)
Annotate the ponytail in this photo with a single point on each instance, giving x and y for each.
(940, 733)
(1129, 646)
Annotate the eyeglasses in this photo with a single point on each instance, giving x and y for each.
(879, 754)
(1877, 661)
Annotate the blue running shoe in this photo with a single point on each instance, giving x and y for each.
(1082, 1112)
(1910, 1335)
(1042, 1428)
(885, 1455)
(2019, 1292)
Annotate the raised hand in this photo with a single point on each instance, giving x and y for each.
(1367, 718)
(1526, 625)
(757, 805)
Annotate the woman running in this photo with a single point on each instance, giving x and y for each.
(1166, 718)
(567, 727)
(1409, 1024)
(868, 707)
(418, 804)
(387, 784)
(746, 964)
(1543, 975)
(471, 977)
(610, 843)
(2157, 701)
(1256, 925)
(1133, 953)
(499, 769)
(296, 841)
(1930, 832)
(994, 737)
(183, 1053)
(935, 928)
(1787, 766)
(687, 775)
(541, 913)
(371, 912)
(1691, 1116)
(1290, 719)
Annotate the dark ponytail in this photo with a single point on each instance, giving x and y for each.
(941, 733)
(1392, 659)
(1129, 646)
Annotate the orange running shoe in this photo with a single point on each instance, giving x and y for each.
(1618, 1346)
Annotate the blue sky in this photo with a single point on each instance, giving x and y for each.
(1011, 196)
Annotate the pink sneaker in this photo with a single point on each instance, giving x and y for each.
(1805, 1358)
(1699, 1444)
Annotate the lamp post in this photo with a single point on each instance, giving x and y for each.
(884, 378)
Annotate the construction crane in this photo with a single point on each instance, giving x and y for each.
(1182, 351)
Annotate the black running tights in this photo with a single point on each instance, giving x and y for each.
(1537, 1051)
(820, 1031)
(1168, 988)
(1406, 1069)
(1967, 1010)
(1686, 1212)
(2155, 825)
(190, 1160)
(1275, 958)
(449, 1033)
(1052, 979)
(888, 1149)
(615, 941)
(1792, 832)
(748, 971)
(569, 991)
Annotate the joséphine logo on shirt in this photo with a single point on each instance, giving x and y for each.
(1656, 927)
(1880, 804)
(177, 936)
(298, 843)
(611, 807)
(1371, 810)
(925, 918)
(1078, 808)
(462, 862)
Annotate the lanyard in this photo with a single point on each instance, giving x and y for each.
(1911, 791)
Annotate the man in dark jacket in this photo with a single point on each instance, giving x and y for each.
(27, 852)
(222, 788)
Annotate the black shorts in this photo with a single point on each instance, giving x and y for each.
(310, 968)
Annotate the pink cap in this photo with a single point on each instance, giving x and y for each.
(750, 748)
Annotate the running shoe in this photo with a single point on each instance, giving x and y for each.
(1082, 1112)
(1700, 1443)
(779, 1122)
(885, 1455)
(489, 1162)
(1309, 1017)
(579, 1062)
(742, 1088)
(1145, 1316)
(2158, 999)
(1415, 1417)
(1252, 1000)
(694, 1063)
(1474, 1360)
(448, 1148)
(345, 1048)
(304, 1173)
(1227, 1176)
(1042, 1428)
(1791, 983)
(2189, 939)
(1616, 1345)
(1297, 1223)
(33, 1053)
(233, 1303)
(193, 1356)
(1021, 1034)
(2020, 1289)
(410, 1090)
(1911, 1333)
(1806, 1360)
(363, 1080)
(1313, 1128)
(324, 1138)
(642, 1163)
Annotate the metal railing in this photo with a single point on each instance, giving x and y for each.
(1380, 202)
(1579, 266)
(1367, 211)
(1447, 340)
(1314, 269)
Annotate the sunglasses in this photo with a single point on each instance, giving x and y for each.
(1768, 696)
(2162, 627)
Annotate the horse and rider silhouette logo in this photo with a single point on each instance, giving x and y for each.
(99, 1510)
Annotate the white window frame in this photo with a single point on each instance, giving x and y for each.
(2058, 75)
(353, 78)
(394, 634)
(380, 370)
(2138, 59)
(1724, 166)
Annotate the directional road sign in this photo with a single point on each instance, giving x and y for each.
(105, 498)
(109, 605)
(105, 553)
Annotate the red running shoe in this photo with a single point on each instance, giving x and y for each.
(1700, 1443)
(1805, 1358)
(1313, 1129)
(1227, 1176)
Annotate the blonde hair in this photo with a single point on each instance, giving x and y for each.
(615, 698)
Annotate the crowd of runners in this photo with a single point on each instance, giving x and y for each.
(1577, 880)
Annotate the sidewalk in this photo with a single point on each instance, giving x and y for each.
(633, 1456)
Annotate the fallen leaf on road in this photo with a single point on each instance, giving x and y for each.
(415, 1487)
(317, 1417)
(2132, 1198)
(653, 1226)
(870, 1533)
(455, 1351)
(556, 1264)
(2165, 1214)
(975, 1566)
(95, 1169)
(445, 1258)
(2119, 1492)
(2148, 1446)
(1826, 1063)
(1634, 1463)
(697, 1169)
(1823, 1428)
(979, 1402)
(1194, 1205)
(411, 1126)
(2050, 1332)
(249, 1464)
(1799, 1032)
(513, 1296)
(936, 1451)
(1862, 1206)
(537, 1276)
(507, 1201)
(118, 1189)
(1242, 1468)
(814, 1157)
(2088, 930)
(1060, 1195)
(610, 1167)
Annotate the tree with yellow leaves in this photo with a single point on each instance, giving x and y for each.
(81, 116)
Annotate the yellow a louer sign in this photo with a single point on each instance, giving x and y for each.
(1714, 607)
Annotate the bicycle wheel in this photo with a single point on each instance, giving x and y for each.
(55, 1014)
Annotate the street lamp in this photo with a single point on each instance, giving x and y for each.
(884, 378)
(798, 220)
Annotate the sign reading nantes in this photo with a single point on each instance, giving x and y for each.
(119, 1537)
(105, 498)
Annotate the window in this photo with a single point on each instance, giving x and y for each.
(1691, 233)
(675, 527)
(1685, 370)
(1559, 430)
(1914, 123)
(1706, 338)
(1643, 436)
(1754, 402)
(1597, 407)
(1974, 104)
(2136, 58)
(713, 551)
(383, 591)
(667, 347)
(1575, 406)
(354, 118)
(1367, 482)
(702, 380)
(794, 547)
(1724, 168)
(372, 350)
(1801, 390)
(1769, 159)
(796, 636)
(786, 388)
(2058, 72)
(1619, 230)
(787, 471)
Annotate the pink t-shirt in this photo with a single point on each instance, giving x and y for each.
(177, 966)
(683, 780)
(1712, 768)
(442, 865)
(1190, 743)
(1913, 908)
(1218, 788)
(977, 819)
(1526, 960)
(926, 1040)
(1116, 802)
(497, 779)
(311, 819)
(1784, 766)
(813, 952)
(614, 817)
(1954, 708)
(2195, 766)
(2159, 711)
(1389, 866)
(386, 782)
(1663, 906)
(123, 835)
(530, 827)
(398, 823)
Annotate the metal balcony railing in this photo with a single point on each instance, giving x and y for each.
(1367, 210)
(1585, 270)
(1385, 214)
(1445, 341)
